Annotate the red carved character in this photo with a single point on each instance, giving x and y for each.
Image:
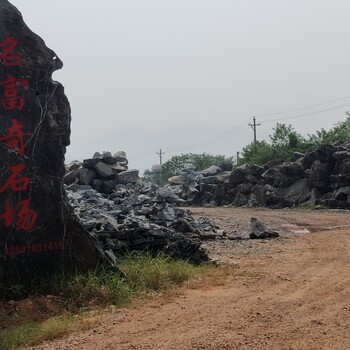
(14, 138)
(12, 100)
(16, 184)
(26, 217)
(7, 56)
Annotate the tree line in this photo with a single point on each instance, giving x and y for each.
(282, 143)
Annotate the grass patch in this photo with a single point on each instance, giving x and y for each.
(310, 207)
(144, 274)
(100, 287)
(33, 333)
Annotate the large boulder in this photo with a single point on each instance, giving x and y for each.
(259, 230)
(283, 175)
(323, 155)
(211, 171)
(246, 173)
(340, 198)
(177, 180)
(86, 176)
(128, 176)
(38, 232)
(340, 155)
(318, 175)
(297, 193)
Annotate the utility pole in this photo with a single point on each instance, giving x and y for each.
(253, 126)
(237, 158)
(160, 153)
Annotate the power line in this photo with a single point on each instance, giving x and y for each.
(241, 126)
(144, 154)
(242, 129)
(308, 114)
(217, 138)
(238, 129)
(214, 141)
(214, 138)
(303, 108)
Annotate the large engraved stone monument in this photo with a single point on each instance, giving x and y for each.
(37, 231)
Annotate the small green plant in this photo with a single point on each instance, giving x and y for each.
(313, 207)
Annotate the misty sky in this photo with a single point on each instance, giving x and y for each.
(156, 64)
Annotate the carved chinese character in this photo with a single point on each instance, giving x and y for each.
(14, 138)
(7, 56)
(23, 217)
(12, 100)
(14, 182)
(26, 217)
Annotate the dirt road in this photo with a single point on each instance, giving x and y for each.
(289, 293)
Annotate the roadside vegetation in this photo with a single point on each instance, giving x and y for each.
(143, 275)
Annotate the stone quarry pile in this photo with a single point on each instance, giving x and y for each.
(103, 172)
(321, 177)
(126, 216)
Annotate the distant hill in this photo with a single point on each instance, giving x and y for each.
(141, 145)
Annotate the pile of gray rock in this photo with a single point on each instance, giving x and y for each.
(321, 177)
(103, 172)
(150, 221)
(199, 187)
(124, 216)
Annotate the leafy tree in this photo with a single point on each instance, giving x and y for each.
(152, 177)
(284, 136)
(148, 176)
(283, 142)
(195, 162)
(258, 152)
(340, 132)
(175, 164)
(204, 160)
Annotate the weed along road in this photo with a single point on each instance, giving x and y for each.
(292, 292)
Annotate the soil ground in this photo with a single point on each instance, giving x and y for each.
(292, 292)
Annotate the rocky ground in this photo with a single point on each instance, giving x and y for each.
(291, 292)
